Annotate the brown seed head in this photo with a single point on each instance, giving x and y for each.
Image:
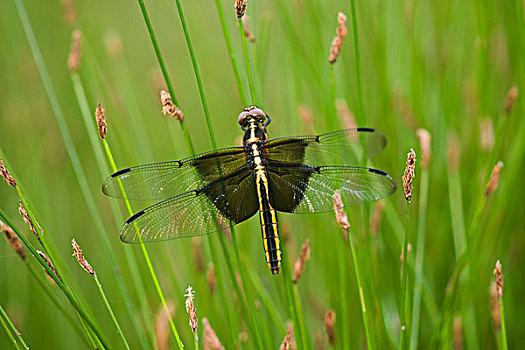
(340, 214)
(77, 253)
(212, 279)
(211, 341)
(49, 263)
(377, 214)
(25, 215)
(338, 40)
(247, 33)
(69, 11)
(458, 333)
(347, 117)
(301, 262)
(486, 134)
(73, 61)
(113, 44)
(168, 107)
(492, 185)
(6, 175)
(499, 279)
(329, 322)
(101, 121)
(454, 152)
(409, 174)
(196, 245)
(190, 309)
(240, 8)
(426, 152)
(512, 96)
(305, 114)
(494, 306)
(289, 339)
(162, 327)
(13, 240)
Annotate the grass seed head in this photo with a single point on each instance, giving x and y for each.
(340, 214)
(168, 107)
(13, 240)
(113, 44)
(247, 32)
(377, 214)
(305, 114)
(492, 185)
(426, 151)
(347, 117)
(6, 175)
(190, 309)
(510, 101)
(162, 327)
(457, 329)
(409, 174)
(25, 215)
(289, 339)
(101, 121)
(77, 253)
(329, 326)
(486, 134)
(240, 8)
(73, 61)
(212, 279)
(337, 43)
(196, 245)
(499, 279)
(69, 11)
(50, 264)
(494, 306)
(300, 263)
(211, 341)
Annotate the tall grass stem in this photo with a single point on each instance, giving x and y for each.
(405, 332)
(11, 329)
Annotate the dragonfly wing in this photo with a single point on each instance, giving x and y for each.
(228, 200)
(343, 147)
(305, 189)
(165, 180)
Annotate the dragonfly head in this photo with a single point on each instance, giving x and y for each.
(253, 115)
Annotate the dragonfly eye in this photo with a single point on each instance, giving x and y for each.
(252, 113)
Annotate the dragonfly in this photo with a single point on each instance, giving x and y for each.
(213, 190)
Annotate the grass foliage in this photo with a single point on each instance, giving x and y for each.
(446, 67)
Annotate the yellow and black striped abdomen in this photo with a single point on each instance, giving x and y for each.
(269, 226)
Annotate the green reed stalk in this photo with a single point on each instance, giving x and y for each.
(357, 62)
(92, 132)
(420, 258)
(187, 138)
(151, 270)
(504, 344)
(66, 289)
(110, 311)
(456, 210)
(364, 312)
(247, 61)
(11, 329)
(343, 271)
(405, 332)
(231, 54)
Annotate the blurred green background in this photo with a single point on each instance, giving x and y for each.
(443, 66)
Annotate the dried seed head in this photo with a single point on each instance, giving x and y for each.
(190, 309)
(101, 121)
(329, 322)
(69, 11)
(77, 253)
(301, 262)
(486, 134)
(426, 152)
(458, 333)
(305, 114)
(13, 240)
(113, 44)
(409, 174)
(454, 152)
(247, 33)
(196, 245)
(289, 339)
(347, 117)
(240, 8)
(73, 61)
(49, 263)
(338, 40)
(499, 279)
(6, 175)
(377, 214)
(340, 214)
(168, 107)
(22, 210)
(161, 328)
(211, 341)
(492, 185)
(512, 96)
(212, 279)
(494, 306)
